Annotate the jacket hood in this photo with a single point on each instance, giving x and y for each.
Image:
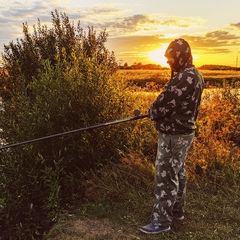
(179, 55)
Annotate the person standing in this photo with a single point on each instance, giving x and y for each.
(174, 113)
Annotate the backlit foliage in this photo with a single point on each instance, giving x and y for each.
(55, 80)
(63, 78)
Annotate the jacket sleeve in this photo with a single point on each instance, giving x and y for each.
(172, 96)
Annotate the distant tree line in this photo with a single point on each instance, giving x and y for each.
(139, 65)
(217, 67)
(150, 66)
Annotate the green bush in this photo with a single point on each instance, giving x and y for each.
(54, 81)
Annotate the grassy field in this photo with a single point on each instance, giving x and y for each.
(120, 196)
(147, 78)
(212, 209)
(211, 213)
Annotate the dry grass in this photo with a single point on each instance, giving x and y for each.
(165, 74)
(121, 194)
(153, 80)
(87, 229)
(211, 213)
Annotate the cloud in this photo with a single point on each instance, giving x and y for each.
(218, 41)
(140, 43)
(115, 20)
(15, 13)
(221, 35)
(236, 25)
(129, 34)
(150, 24)
(24, 10)
(174, 22)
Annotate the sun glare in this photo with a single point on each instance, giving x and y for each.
(157, 56)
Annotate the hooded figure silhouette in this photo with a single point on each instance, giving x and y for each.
(179, 55)
(174, 113)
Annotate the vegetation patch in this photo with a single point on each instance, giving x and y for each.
(154, 80)
(99, 184)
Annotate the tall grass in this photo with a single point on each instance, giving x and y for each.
(155, 79)
(215, 150)
(121, 194)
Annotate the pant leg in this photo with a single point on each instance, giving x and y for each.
(178, 207)
(170, 183)
(186, 141)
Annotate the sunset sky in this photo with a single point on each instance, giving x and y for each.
(139, 31)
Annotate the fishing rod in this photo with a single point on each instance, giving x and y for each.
(136, 117)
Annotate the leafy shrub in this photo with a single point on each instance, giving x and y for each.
(216, 146)
(55, 80)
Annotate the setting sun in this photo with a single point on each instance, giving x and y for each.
(157, 56)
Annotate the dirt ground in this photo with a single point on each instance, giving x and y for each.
(92, 229)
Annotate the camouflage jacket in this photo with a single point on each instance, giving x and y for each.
(175, 110)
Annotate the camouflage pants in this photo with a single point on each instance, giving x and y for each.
(170, 177)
